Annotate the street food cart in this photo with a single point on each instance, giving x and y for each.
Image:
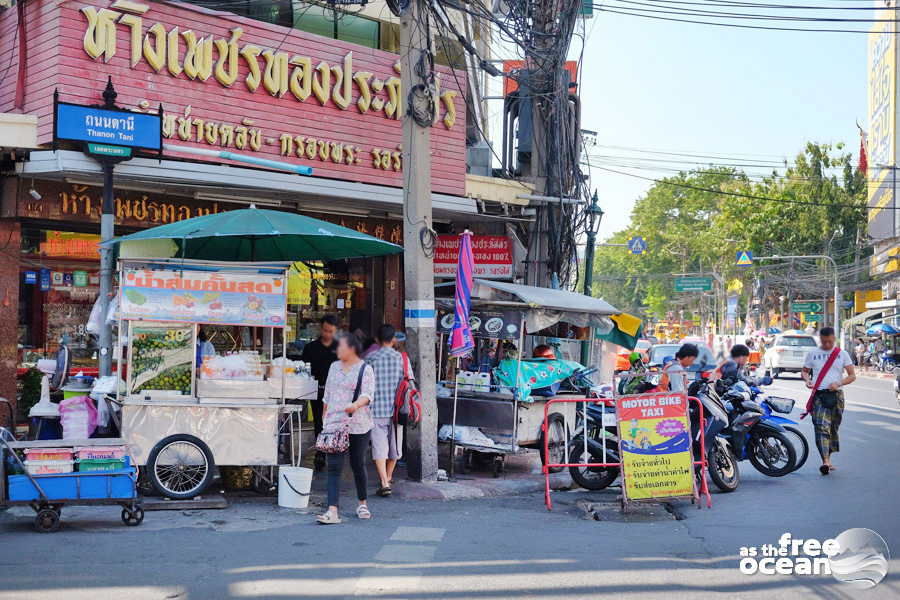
(182, 418)
(502, 395)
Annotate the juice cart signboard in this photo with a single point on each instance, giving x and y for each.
(654, 433)
(204, 297)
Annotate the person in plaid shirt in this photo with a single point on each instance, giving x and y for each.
(387, 436)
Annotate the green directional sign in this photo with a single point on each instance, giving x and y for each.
(693, 284)
(806, 307)
(109, 150)
(810, 318)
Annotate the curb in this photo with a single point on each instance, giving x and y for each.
(875, 375)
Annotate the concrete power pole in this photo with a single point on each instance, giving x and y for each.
(417, 252)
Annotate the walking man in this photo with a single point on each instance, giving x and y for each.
(320, 353)
(826, 402)
(387, 436)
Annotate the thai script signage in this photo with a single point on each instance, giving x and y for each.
(655, 439)
(87, 124)
(233, 83)
(201, 297)
(491, 253)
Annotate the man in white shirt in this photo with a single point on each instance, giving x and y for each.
(826, 412)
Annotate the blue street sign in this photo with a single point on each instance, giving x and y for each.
(45, 280)
(31, 277)
(121, 128)
(744, 258)
(637, 245)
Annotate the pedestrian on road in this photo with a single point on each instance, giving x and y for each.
(861, 354)
(320, 353)
(348, 393)
(387, 436)
(826, 402)
(673, 376)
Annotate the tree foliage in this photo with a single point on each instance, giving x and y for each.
(696, 221)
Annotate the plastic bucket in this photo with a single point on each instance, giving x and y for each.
(293, 486)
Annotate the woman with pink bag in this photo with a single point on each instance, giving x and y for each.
(346, 424)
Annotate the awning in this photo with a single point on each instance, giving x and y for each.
(538, 297)
(236, 184)
(861, 318)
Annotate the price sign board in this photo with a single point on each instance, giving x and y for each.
(655, 446)
(161, 358)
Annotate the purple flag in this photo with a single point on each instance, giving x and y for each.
(461, 336)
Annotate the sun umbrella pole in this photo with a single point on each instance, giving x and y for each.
(453, 426)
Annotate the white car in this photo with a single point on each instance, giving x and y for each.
(787, 354)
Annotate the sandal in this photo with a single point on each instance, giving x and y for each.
(384, 491)
(328, 518)
(824, 470)
(363, 512)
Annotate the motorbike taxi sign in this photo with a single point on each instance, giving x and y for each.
(655, 440)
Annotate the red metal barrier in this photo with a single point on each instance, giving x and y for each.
(702, 463)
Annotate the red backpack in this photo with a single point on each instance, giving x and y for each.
(407, 403)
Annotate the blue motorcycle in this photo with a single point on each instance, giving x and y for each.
(773, 404)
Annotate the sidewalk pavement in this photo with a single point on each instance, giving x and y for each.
(874, 374)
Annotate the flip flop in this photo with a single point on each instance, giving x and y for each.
(383, 491)
(328, 519)
(832, 467)
(363, 512)
(824, 470)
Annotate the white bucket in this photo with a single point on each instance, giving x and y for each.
(293, 486)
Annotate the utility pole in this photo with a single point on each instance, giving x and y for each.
(417, 230)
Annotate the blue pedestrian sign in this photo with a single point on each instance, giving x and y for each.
(744, 258)
(637, 245)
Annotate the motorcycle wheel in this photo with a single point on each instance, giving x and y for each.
(723, 468)
(556, 442)
(801, 446)
(889, 366)
(590, 478)
(772, 453)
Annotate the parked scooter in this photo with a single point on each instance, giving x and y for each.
(721, 460)
(772, 404)
(602, 434)
(751, 436)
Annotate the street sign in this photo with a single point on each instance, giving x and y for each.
(744, 258)
(637, 245)
(810, 318)
(105, 126)
(847, 303)
(696, 320)
(693, 284)
(806, 307)
(108, 150)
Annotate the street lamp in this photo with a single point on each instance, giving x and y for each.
(595, 215)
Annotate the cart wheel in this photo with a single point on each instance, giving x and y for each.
(46, 521)
(133, 518)
(556, 441)
(180, 466)
(497, 467)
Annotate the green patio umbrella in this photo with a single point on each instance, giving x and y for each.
(253, 234)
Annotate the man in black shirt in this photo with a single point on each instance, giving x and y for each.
(320, 353)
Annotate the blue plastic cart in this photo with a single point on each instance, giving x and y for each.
(47, 494)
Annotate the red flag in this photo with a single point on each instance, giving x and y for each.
(863, 154)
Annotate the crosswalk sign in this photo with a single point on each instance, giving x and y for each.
(744, 258)
(637, 245)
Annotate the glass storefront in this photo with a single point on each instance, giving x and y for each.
(59, 280)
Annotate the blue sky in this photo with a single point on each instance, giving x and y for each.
(714, 90)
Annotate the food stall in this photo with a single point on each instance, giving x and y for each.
(498, 395)
(180, 414)
(181, 418)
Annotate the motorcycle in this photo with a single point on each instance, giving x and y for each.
(602, 434)
(771, 405)
(751, 436)
(722, 463)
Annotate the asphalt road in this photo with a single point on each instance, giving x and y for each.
(483, 549)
